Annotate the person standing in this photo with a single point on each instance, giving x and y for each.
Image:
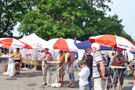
(47, 56)
(108, 59)
(61, 59)
(132, 67)
(83, 76)
(119, 60)
(70, 69)
(17, 56)
(11, 64)
(98, 68)
(89, 61)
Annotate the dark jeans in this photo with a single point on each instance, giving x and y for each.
(89, 78)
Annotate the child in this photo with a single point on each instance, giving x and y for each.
(83, 76)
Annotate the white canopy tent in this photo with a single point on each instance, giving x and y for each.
(36, 42)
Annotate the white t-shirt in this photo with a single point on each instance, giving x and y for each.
(84, 74)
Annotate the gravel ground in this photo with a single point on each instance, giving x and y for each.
(32, 80)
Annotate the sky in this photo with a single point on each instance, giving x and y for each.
(125, 9)
(15, 31)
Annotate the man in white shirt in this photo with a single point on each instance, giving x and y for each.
(99, 77)
(83, 76)
(47, 56)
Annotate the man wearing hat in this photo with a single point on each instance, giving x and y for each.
(47, 56)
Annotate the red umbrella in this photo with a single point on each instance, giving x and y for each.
(113, 40)
(63, 44)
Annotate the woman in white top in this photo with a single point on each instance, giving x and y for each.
(83, 76)
(11, 64)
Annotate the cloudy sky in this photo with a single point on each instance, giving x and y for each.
(125, 9)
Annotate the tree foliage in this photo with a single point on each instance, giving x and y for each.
(11, 11)
(60, 18)
(70, 19)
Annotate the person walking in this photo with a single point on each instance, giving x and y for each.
(47, 56)
(83, 76)
(89, 61)
(98, 68)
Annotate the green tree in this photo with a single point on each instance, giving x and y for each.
(11, 11)
(70, 19)
(59, 18)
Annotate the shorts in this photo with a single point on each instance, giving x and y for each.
(121, 78)
(18, 61)
(99, 84)
(71, 75)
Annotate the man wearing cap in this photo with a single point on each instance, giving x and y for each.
(47, 56)
(98, 68)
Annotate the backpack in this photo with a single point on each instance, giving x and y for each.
(108, 71)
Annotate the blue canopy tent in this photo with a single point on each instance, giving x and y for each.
(133, 52)
(87, 44)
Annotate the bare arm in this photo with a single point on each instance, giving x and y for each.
(122, 63)
(72, 59)
(102, 69)
(118, 63)
(131, 68)
(50, 57)
(42, 57)
(63, 59)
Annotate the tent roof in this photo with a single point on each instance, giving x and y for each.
(33, 39)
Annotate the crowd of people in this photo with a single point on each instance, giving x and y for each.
(94, 66)
(95, 70)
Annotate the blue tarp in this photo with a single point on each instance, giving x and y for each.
(87, 44)
(133, 52)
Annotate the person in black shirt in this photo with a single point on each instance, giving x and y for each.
(89, 61)
(108, 60)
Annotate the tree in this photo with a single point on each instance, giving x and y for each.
(70, 19)
(57, 18)
(11, 11)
